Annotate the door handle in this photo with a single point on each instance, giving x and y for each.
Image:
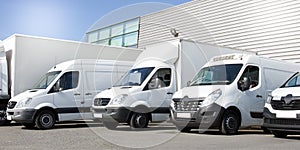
(258, 96)
(76, 94)
(88, 93)
(169, 93)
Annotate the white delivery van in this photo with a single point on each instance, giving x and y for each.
(282, 109)
(228, 93)
(144, 93)
(24, 59)
(65, 92)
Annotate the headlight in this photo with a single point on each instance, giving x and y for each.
(212, 97)
(269, 99)
(23, 103)
(119, 99)
(172, 105)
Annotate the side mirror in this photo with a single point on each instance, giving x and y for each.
(244, 84)
(57, 87)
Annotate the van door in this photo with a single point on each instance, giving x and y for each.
(252, 99)
(160, 90)
(68, 96)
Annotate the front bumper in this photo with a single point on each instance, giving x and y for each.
(118, 114)
(271, 122)
(21, 115)
(204, 118)
(98, 112)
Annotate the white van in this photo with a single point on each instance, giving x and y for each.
(228, 93)
(145, 92)
(282, 109)
(65, 92)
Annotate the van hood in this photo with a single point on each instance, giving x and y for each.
(282, 92)
(28, 94)
(197, 91)
(115, 91)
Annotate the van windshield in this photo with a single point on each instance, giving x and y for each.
(217, 75)
(135, 77)
(294, 81)
(46, 80)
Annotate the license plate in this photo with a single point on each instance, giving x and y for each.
(183, 115)
(98, 115)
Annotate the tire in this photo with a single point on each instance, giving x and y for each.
(230, 123)
(3, 120)
(139, 120)
(279, 134)
(45, 120)
(110, 125)
(28, 125)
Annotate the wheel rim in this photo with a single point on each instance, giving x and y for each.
(141, 120)
(46, 120)
(231, 123)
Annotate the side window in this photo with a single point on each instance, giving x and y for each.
(162, 78)
(67, 81)
(249, 78)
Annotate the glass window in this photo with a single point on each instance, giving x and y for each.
(135, 77)
(131, 26)
(46, 80)
(122, 34)
(117, 41)
(103, 42)
(131, 39)
(293, 82)
(219, 75)
(92, 37)
(104, 34)
(117, 30)
(162, 78)
(249, 78)
(69, 80)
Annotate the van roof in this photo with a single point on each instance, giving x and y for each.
(71, 63)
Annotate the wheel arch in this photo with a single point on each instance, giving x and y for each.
(47, 108)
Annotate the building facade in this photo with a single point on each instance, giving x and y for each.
(268, 27)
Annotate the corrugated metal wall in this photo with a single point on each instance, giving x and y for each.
(268, 27)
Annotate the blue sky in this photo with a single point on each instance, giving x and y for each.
(62, 19)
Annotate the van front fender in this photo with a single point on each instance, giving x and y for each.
(42, 105)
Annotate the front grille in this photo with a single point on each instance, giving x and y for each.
(282, 105)
(11, 104)
(282, 121)
(187, 105)
(101, 101)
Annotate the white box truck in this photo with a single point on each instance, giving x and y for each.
(65, 93)
(144, 93)
(229, 93)
(282, 108)
(26, 58)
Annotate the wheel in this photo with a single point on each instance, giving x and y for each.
(183, 129)
(139, 120)
(45, 119)
(28, 125)
(279, 134)
(110, 125)
(3, 119)
(230, 123)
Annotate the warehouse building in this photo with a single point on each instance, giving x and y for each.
(271, 28)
